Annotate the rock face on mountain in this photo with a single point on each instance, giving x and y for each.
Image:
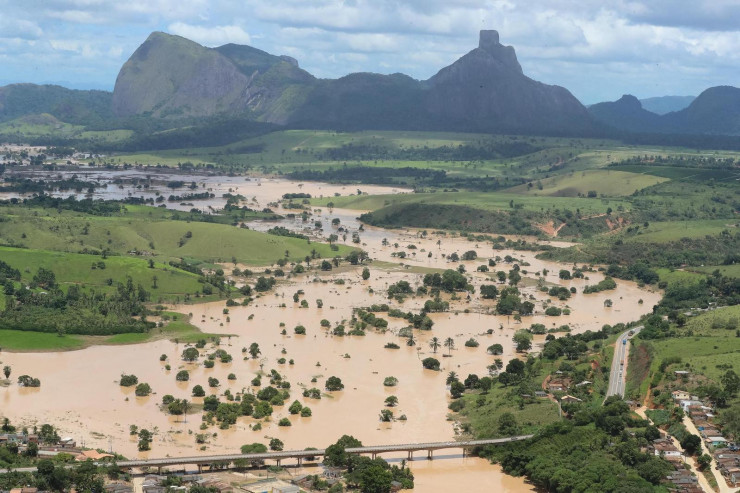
(484, 91)
(716, 111)
(487, 90)
(170, 76)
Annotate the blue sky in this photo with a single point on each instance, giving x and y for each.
(597, 49)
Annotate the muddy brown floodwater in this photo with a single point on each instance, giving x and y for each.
(81, 396)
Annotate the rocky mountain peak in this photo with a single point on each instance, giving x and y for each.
(505, 55)
(488, 39)
(630, 101)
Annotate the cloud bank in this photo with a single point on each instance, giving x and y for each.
(599, 50)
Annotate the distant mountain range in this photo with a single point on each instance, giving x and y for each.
(171, 82)
(715, 111)
(666, 104)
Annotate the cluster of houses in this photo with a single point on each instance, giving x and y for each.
(681, 480)
(66, 445)
(159, 484)
(562, 384)
(724, 453)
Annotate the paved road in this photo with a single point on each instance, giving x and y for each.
(618, 374)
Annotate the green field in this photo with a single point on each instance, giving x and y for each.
(707, 345)
(480, 200)
(726, 270)
(602, 181)
(48, 125)
(139, 231)
(702, 354)
(715, 322)
(72, 268)
(21, 340)
(678, 276)
(27, 341)
(660, 232)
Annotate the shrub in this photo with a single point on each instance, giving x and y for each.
(143, 390)
(284, 422)
(471, 343)
(334, 383)
(390, 381)
(182, 376)
(198, 391)
(128, 380)
(496, 349)
(253, 448)
(553, 311)
(430, 364)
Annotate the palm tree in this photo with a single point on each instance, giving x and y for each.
(411, 341)
(434, 344)
(451, 377)
(450, 345)
(6, 371)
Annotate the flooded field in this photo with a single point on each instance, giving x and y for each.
(80, 392)
(150, 183)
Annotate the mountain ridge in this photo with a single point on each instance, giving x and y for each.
(484, 90)
(716, 111)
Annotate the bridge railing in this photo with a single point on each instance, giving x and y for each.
(302, 454)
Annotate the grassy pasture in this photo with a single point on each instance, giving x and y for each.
(602, 181)
(27, 341)
(73, 268)
(65, 231)
(703, 354)
(676, 173)
(22, 340)
(480, 200)
(726, 270)
(664, 231)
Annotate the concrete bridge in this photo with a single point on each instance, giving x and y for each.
(301, 455)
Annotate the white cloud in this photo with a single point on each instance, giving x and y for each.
(19, 29)
(597, 49)
(211, 36)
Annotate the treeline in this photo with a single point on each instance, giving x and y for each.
(482, 151)
(718, 142)
(680, 161)
(88, 206)
(371, 174)
(709, 250)
(410, 176)
(455, 217)
(44, 307)
(27, 185)
(592, 452)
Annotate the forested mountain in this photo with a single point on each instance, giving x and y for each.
(68, 105)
